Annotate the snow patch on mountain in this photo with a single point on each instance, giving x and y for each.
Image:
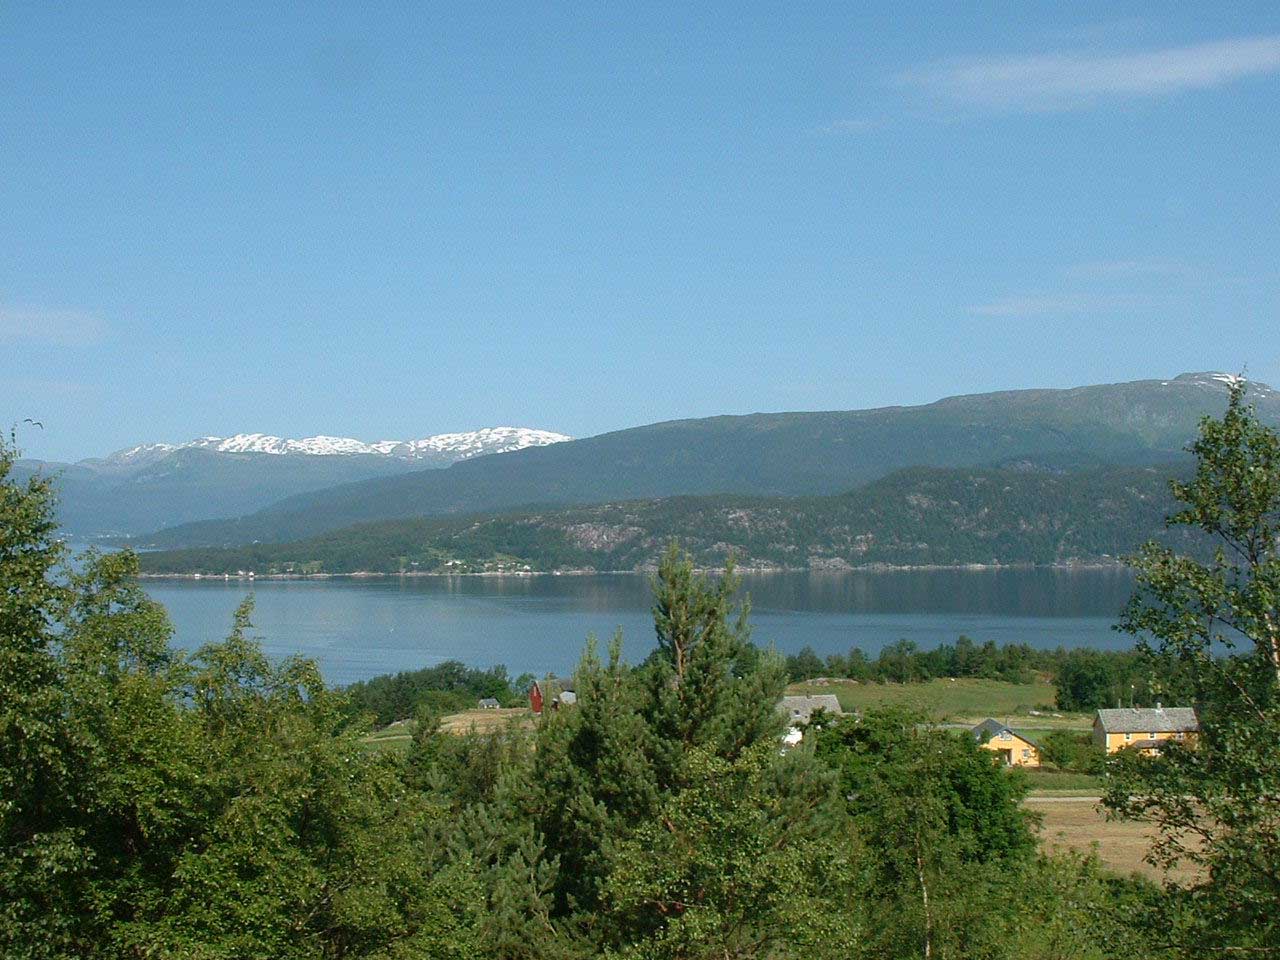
(455, 446)
(1217, 380)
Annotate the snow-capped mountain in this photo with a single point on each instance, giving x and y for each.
(154, 485)
(1216, 380)
(450, 446)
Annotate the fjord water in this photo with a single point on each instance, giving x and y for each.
(359, 628)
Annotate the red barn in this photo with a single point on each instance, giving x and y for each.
(551, 693)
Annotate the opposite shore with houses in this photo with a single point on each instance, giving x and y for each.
(517, 570)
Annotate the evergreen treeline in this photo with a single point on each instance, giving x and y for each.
(914, 517)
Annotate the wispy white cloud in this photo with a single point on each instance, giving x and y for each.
(1036, 305)
(1056, 81)
(64, 328)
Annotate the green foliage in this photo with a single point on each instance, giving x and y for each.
(731, 865)
(696, 695)
(916, 517)
(447, 687)
(1085, 679)
(222, 805)
(905, 662)
(1215, 802)
(1071, 751)
(939, 817)
(887, 756)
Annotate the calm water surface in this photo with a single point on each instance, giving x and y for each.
(357, 629)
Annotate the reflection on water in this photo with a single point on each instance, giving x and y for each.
(358, 628)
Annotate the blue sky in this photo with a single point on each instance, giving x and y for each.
(392, 220)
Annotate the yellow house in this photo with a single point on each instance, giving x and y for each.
(1014, 749)
(1144, 728)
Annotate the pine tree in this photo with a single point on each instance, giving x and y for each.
(706, 686)
(595, 775)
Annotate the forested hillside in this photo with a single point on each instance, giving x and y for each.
(774, 454)
(915, 517)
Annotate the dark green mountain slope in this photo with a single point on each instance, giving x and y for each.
(918, 516)
(791, 454)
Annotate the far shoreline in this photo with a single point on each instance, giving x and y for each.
(641, 571)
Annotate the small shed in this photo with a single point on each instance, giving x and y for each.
(800, 709)
(488, 703)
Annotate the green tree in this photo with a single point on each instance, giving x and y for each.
(596, 775)
(220, 807)
(805, 664)
(698, 694)
(733, 866)
(939, 819)
(42, 860)
(1218, 623)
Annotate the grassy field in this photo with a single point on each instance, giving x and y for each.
(957, 701)
(1078, 824)
(484, 721)
(398, 735)
(1048, 782)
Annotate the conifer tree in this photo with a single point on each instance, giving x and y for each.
(595, 775)
(740, 861)
(700, 690)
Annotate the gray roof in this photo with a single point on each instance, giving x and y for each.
(488, 702)
(993, 729)
(1149, 720)
(803, 707)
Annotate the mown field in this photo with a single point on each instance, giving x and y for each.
(957, 701)
(398, 735)
(1078, 823)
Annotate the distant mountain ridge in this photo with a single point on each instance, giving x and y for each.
(443, 446)
(920, 516)
(154, 485)
(1137, 423)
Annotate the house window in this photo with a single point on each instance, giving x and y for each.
(1128, 737)
(1005, 735)
(1026, 754)
(1153, 735)
(1181, 735)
